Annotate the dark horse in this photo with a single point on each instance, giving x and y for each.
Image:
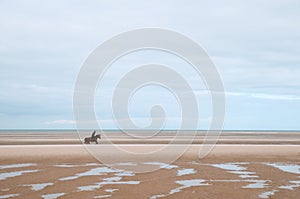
(93, 138)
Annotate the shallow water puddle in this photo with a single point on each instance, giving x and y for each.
(103, 196)
(125, 173)
(257, 184)
(9, 195)
(66, 165)
(288, 187)
(254, 184)
(248, 176)
(185, 184)
(229, 167)
(52, 196)
(125, 164)
(107, 181)
(235, 168)
(100, 184)
(245, 174)
(182, 172)
(162, 165)
(192, 183)
(4, 176)
(111, 190)
(294, 184)
(92, 172)
(267, 194)
(38, 187)
(121, 182)
(92, 164)
(89, 187)
(116, 178)
(290, 168)
(9, 166)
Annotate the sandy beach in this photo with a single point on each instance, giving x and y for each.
(46, 170)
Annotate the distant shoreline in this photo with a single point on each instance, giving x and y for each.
(149, 137)
(164, 130)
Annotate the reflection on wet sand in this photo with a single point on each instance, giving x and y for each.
(111, 180)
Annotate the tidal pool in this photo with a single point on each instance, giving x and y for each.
(92, 172)
(9, 166)
(267, 194)
(182, 172)
(37, 187)
(9, 195)
(4, 176)
(162, 165)
(52, 196)
(230, 167)
(290, 168)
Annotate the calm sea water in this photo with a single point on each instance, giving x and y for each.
(162, 132)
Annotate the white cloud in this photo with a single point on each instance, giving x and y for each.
(264, 96)
(54, 122)
(267, 96)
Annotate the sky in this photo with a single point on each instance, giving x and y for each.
(253, 44)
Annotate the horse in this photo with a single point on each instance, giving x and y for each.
(88, 140)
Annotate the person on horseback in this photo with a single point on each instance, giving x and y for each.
(93, 138)
(93, 135)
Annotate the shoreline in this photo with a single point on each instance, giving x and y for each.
(148, 137)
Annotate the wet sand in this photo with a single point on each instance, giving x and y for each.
(229, 171)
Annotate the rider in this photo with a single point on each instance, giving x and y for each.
(93, 135)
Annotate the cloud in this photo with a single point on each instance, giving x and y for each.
(140, 122)
(264, 96)
(143, 122)
(54, 122)
(267, 96)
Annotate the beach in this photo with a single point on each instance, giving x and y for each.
(54, 165)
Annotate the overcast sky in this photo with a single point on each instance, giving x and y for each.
(254, 45)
